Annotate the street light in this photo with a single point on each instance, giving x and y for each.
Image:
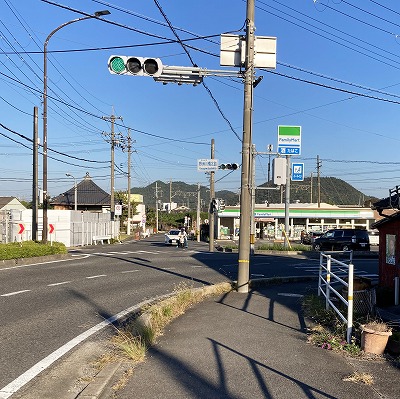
(97, 14)
(75, 191)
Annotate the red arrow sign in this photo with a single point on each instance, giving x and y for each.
(51, 228)
(21, 228)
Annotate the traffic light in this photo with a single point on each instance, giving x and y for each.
(221, 204)
(214, 205)
(229, 166)
(136, 66)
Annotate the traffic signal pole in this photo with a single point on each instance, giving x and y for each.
(212, 195)
(245, 190)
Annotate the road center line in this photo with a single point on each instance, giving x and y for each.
(15, 293)
(99, 275)
(130, 271)
(54, 284)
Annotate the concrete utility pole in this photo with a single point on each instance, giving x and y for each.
(212, 195)
(287, 201)
(198, 214)
(253, 199)
(244, 235)
(112, 118)
(35, 202)
(128, 225)
(319, 181)
(156, 208)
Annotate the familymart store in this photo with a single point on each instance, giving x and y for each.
(270, 220)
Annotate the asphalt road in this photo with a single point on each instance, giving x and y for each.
(44, 306)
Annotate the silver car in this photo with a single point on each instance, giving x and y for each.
(172, 237)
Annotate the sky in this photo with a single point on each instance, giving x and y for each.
(337, 77)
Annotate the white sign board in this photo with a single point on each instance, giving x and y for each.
(289, 140)
(233, 51)
(118, 210)
(207, 165)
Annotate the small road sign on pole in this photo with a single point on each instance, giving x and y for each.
(207, 165)
(21, 228)
(297, 172)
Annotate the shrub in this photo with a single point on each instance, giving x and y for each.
(29, 249)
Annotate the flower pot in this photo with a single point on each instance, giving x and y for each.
(373, 341)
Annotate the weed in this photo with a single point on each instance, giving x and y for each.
(329, 331)
(364, 378)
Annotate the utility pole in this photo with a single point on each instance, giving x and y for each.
(112, 118)
(287, 201)
(170, 195)
(128, 225)
(156, 208)
(212, 195)
(319, 181)
(35, 204)
(253, 198)
(311, 187)
(244, 235)
(198, 213)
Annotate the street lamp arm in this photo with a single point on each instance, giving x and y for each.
(96, 15)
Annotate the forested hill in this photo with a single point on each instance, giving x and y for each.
(331, 190)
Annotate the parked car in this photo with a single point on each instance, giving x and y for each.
(172, 237)
(343, 240)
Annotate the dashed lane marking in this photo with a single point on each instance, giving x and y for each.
(15, 293)
(61, 283)
(99, 275)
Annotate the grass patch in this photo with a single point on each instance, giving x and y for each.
(29, 249)
(133, 339)
(281, 247)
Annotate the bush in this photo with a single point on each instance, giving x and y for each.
(281, 247)
(29, 249)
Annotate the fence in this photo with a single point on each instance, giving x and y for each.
(72, 228)
(328, 276)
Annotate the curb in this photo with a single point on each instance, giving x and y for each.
(36, 259)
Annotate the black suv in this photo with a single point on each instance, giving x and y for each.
(343, 240)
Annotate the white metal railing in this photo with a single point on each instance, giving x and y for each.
(329, 270)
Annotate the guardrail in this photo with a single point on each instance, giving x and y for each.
(328, 277)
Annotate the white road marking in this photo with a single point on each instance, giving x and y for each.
(130, 271)
(290, 294)
(197, 266)
(168, 268)
(54, 284)
(15, 293)
(41, 263)
(257, 275)
(99, 275)
(43, 364)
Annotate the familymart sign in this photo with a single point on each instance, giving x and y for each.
(289, 140)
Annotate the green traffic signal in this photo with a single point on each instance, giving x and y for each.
(117, 65)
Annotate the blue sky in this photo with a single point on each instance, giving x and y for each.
(337, 77)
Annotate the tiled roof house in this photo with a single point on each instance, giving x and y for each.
(90, 197)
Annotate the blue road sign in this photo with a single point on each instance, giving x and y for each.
(297, 171)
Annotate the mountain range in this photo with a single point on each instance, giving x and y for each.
(329, 190)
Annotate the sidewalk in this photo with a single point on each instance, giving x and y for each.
(250, 346)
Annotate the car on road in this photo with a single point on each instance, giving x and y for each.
(343, 240)
(172, 237)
